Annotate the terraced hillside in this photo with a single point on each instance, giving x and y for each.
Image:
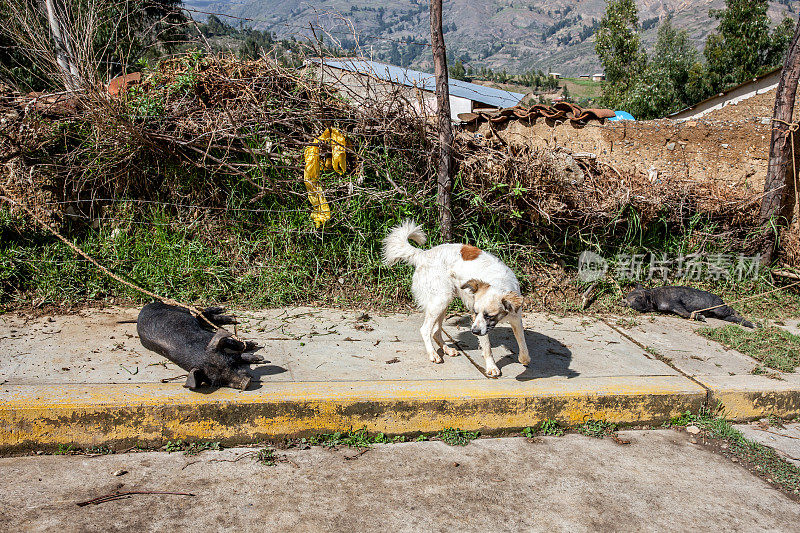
(501, 34)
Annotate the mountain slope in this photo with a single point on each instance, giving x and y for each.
(500, 34)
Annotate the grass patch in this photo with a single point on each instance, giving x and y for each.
(457, 437)
(764, 460)
(774, 347)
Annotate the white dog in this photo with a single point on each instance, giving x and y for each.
(488, 288)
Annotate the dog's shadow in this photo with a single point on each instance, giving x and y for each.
(549, 357)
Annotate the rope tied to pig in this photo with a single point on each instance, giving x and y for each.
(10, 198)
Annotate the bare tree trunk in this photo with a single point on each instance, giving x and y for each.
(64, 57)
(779, 189)
(444, 180)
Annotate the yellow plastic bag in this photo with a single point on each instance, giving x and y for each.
(321, 212)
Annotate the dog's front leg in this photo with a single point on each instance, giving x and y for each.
(427, 337)
(486, 347)
(519, 334)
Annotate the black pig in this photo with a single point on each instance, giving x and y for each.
(209, 356)
(682, 301)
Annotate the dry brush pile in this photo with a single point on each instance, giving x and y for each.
(591, 201)
(195, 128)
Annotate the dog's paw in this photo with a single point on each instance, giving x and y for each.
(451, 351)
(493, 372)
(524, 359)
(435, 358)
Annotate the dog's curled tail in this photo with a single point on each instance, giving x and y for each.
(396, 247)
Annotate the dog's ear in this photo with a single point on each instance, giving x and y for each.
(638, 287)
(512, 302)
(474, 285)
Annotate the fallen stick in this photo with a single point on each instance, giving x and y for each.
(120, 495)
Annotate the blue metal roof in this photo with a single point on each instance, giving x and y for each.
(426, 81)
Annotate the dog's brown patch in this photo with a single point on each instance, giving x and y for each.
(475, 286)
(469, 253)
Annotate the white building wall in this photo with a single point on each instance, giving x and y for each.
(459, 105)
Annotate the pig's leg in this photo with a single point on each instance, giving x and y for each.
(215, 315)
(678, 309)
(251, 358)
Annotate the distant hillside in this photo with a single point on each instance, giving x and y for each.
(500, 34)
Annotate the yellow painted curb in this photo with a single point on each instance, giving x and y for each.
(748, 397)
(46, 416)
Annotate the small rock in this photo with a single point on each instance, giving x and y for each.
(670, 146)
(693, 430)
(693, 440)
(734, 459)
(456, 464)
(120, 473)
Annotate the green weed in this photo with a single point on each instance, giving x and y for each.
(457, 437)
(355, 439)
(266, 456)
(173, 446)
(548, 427)
(190, 448)
(596, 428)
(64, 449)
(196, 447)
(99, 450)
(551, 427)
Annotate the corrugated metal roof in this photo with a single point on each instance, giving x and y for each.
(426, 81)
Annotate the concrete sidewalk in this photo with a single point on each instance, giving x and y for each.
(661, 481)
(86, 379)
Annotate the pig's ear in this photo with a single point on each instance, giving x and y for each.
(231, 345)
(194, 379)
(217, 342)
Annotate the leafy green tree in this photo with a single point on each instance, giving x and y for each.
(673, 57)
(698, 85)
(743, 47)
(662, 86)
(619, 49)
(457, 70)
(653, 94)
